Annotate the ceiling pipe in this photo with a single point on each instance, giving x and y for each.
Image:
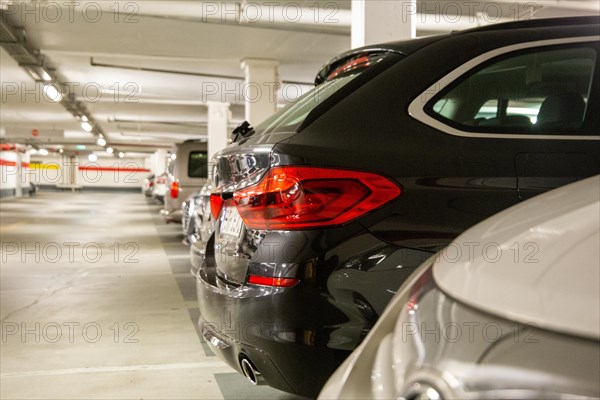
(171, 71)
(31, 60)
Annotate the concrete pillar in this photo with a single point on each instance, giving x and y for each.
(19, 175)
(260, 88)
(218, 126)
(69, 165)
(25, 175)
(73, 172)
(382, 21)
(158, 162)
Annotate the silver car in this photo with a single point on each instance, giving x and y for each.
(187, 172)
(201, 225)
(511, 309)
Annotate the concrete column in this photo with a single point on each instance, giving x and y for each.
(260, 88)
(68, 167)
(73, 171)
(158, 162)
(65, 169)
(25, 175)
(218, 126)
(19, 175)
(382, 21)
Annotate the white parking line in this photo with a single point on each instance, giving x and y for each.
(187, 255)
(125, 368)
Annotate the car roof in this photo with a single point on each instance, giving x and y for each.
(409, 46)
(537, 23)
(537, 263)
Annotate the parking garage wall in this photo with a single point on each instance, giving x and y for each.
(17, 170)
(11, 181)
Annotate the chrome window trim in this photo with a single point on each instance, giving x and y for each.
(416, 109)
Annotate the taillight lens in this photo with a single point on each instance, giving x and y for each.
(306, 197)
(272, 281)
(174, 190)
(216, 203)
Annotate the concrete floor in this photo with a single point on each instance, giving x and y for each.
(97, 303)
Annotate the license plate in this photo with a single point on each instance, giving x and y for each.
(232, 222)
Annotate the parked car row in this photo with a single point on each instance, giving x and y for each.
(177, 188)
(155, 186)
(184, 190)
(324, 210)
(336, 220)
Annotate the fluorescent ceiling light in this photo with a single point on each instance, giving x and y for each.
(109, 150)
(101, 142)
(43, 152)
(46, 76)
(121, 154)
(84, 118)
(86, 126)
(52, 93)
(92, 157)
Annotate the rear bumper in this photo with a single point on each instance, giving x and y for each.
(197, 254)
(298, 336)
(278, 333)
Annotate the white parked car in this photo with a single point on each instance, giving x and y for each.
(160, 188)
(511, 309)
(148, 185)
(187, 173)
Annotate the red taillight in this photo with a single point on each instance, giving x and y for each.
(216, 203)
(272, 281)
(350, 65)
(174, 190)
(306, 197)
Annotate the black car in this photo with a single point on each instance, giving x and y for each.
(322, 211)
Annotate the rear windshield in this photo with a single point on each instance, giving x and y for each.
(198, 164)
(340, 74)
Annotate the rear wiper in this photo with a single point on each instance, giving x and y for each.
(243, 131)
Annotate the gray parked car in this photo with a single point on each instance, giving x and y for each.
(186, 173)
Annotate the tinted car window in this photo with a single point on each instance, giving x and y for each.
(533, 91)
(198, 164)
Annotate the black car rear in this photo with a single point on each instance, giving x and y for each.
(327, 207)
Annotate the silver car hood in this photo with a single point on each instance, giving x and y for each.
(536, 263)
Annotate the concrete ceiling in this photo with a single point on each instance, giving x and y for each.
(145, 69)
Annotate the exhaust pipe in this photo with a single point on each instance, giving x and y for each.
(251, 373)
